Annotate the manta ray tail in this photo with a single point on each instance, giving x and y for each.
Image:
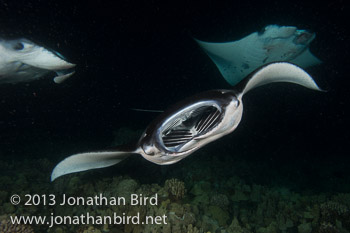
(276, 72)
(88, 161)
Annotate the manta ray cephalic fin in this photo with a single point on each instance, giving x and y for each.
(62, 77)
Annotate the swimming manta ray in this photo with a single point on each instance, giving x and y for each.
(236, 59)
(189, 124)
(23, 61)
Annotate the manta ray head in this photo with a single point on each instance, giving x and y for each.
(284, 43)
(287, 33)
(303, 37)
(29, 53)
(23, 60)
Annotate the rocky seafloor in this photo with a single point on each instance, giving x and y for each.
(196, 195)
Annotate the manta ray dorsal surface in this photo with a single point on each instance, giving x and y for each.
(236, 59)
(190, 124)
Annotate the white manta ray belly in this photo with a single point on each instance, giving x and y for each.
(236, 59)
(190, 124)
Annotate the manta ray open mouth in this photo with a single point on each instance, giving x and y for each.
(198, 122)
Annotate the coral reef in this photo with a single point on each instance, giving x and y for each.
(176, 189)
(192, 229)
(331, 208)
(328, 228)
(7, 227)
(89, 229)
(220, 200)
(213, 204)
(334, 215)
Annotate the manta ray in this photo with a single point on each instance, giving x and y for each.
(21, 60)
(236, 59)
(190, 124)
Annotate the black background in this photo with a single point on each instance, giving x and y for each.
(140, 54)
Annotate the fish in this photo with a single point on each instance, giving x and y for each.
(22, 60)
(190, 124)
(236, 59)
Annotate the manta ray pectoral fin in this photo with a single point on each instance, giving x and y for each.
(306, 59)
(276, 72)
(88, 161)
(229, 56)
(236, 59)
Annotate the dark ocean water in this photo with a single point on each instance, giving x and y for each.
(140, 54)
